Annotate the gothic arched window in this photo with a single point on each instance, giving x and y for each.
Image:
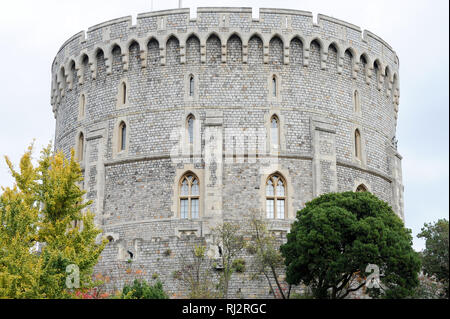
(122, 136)
(358, 144)
(189, 196)
(276, 197)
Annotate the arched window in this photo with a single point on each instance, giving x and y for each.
(361, 188)
(80, 150)
(190, 128)
(189, 196)
(357, 144)
(122, 96)
(275, 131)
(275, 197)
(274, 86)
(122, 136)
(191, 85)
(356, 103)
(124, 93)
(82, 105)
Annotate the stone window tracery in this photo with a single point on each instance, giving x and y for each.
(275, 197)
(189, 196)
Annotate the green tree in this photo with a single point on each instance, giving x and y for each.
(196, 275)
(231, 242)
(268, 258)
(44, 210)
(435, 256)
(142, 290)
(337, 235)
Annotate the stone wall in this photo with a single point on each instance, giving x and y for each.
(232, 58)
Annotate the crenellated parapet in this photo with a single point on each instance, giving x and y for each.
(369, 53)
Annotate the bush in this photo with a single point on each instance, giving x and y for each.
(142, 290)
(239, 265)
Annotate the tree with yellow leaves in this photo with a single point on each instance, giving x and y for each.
(44, 227)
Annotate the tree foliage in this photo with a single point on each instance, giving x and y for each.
(195, 273)
(43, 228)
(337, 235)
(435, 258)
(268, 258)
(142, 290)
(231, 242)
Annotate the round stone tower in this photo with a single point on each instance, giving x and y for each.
(180, 124)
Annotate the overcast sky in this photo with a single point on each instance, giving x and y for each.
(31, 32)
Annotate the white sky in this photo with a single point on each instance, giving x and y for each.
(31, 32)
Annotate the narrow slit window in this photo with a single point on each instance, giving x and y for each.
(82, 105)
(275, 131)
(122, 136)
(356, 103)
(124, 93)
(357, 144)
(274, 86)
(190, 129)
(80, 147)
(191, 85)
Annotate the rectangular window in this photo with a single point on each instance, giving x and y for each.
(194, 211)
(269, 208)
(184, 208)
(280, 208)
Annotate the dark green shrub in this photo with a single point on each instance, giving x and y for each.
(142, 290)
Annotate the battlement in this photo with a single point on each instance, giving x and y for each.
(287, 25)
(230, 17)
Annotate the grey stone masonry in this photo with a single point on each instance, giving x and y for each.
(230, 101)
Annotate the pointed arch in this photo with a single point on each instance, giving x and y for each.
(276, 196)
(315, 49)
(173, 50)
(153, 53)
(80, 147)
(190, 129)
(361, 188)
(213, 49)
(357, 143)
(275, 132)
(189, 196)
(276, 50)
(333, 56)
(296, 51)
(234, 49)
(122, 134)
(255, 50)
(193, 50)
